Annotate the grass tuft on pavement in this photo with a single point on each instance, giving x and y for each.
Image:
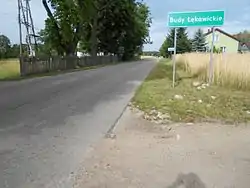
(212, 103)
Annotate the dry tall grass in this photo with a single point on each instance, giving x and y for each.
(9, 69)
(230, 70)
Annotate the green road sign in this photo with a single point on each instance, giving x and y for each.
(199, 18)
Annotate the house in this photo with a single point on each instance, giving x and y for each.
(222, 41)
(244, 47)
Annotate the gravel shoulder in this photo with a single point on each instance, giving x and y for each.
(144, 154)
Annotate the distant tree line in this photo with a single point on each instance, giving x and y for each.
(8, 50)
(243, 36)
(151, 53)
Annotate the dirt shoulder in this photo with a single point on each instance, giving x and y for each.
(144, 154)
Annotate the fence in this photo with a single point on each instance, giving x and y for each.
(49, 64)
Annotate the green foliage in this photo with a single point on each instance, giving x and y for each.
(64, 26)
(4, 46)
(168, 43)
(199, 41)
(183, 43)
(119, 27)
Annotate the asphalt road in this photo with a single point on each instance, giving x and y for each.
(47, 125)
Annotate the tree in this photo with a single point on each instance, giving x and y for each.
(123, 28)
(5, 46)
(199, 41)
(64, 25)
(243, 36)
(168, 43)
(14, 51)
(183, 44)
(119, 27)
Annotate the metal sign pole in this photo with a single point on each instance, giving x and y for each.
(211, 72)
(174, 58)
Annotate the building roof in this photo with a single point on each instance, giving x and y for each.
(246, 43)
(223, 32)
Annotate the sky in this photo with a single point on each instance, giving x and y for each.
(237, 16)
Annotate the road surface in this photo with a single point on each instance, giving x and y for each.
(48, 124)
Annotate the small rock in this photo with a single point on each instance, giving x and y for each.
(213, 97)
(111, 136)
(203, 86)
(153, 112)
(178, 137)
(209, 105)
(196, 84)
(178, 97)
(199, 88)
(165, 116)
(248, 112)
(146, 116)
(159, 115)
(200, 101)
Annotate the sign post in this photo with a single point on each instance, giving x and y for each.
(211, 72)
(174, 58)
(198, 19)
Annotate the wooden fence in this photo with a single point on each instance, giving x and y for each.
(50, 64)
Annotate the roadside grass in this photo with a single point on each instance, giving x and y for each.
(213, 103)
(10, 70)
(230, 70)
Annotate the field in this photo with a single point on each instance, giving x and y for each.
(193, 100)
(229, 70)
(9, 69)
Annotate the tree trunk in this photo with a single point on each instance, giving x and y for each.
(94, 36)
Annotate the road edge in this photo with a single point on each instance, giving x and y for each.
(110, 133)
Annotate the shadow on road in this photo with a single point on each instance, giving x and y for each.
(190, 180)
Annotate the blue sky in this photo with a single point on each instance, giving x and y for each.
(237, 16)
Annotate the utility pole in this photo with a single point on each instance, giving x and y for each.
(20, 40)
(25, 20)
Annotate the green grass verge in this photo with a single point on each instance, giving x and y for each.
(9, 69)
(229, 105)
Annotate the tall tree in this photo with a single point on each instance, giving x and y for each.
(183, 43)
(168, 43)
(123, 28)
(64, 26)
(110, 26)
(5, 46)
(199, 41)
